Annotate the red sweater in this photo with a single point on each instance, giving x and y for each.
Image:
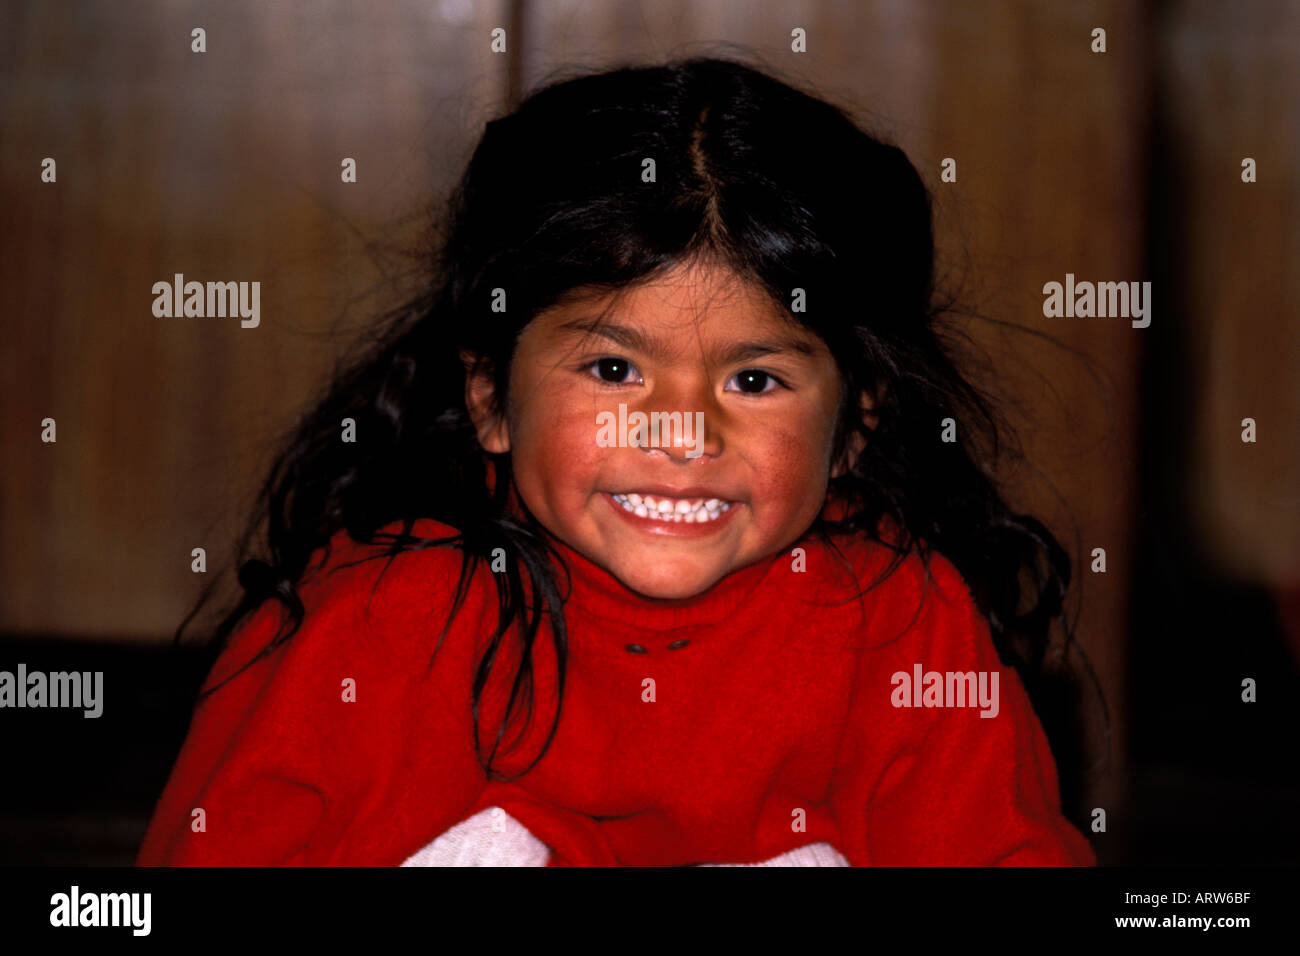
(780, 711)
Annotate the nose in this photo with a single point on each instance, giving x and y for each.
(690, 424)
(683, 437)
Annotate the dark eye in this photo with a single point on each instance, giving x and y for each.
(614, 370)
(753, 381)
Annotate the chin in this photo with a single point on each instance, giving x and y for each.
(669, 588)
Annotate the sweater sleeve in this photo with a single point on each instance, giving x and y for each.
(280, 760)
(243, 789)
(972, 785)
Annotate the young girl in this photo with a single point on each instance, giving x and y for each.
(775, 638)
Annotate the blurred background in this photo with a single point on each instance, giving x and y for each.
(1117, 166)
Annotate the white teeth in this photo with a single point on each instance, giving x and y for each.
(692, 511)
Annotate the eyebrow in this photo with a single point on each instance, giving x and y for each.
(632, 338)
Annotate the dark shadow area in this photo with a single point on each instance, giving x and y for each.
(80, 789)
(1214, 779)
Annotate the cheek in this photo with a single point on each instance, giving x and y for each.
(789, 465)
(556, 445)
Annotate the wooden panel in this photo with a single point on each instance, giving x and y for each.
(1236, 70)
(222, 166)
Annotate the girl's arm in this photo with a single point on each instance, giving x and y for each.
(918, 785)
(244, 788)
(309, 756)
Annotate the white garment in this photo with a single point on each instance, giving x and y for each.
(811, 854)
(490, 837)
(493, 837)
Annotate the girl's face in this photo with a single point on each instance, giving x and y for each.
(699, 343)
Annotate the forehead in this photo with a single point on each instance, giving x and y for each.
(699, 305)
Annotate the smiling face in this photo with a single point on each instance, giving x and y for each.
(698, 341)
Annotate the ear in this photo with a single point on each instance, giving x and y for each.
(480, 391)
(867, 405)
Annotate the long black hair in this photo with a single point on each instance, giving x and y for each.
(780, 186)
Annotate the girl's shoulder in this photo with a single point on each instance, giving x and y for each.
(357, 604)
(420, 578)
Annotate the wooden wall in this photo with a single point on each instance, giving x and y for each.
(226, 166)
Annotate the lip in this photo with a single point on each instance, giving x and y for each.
(674, 529)
(691, 492)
